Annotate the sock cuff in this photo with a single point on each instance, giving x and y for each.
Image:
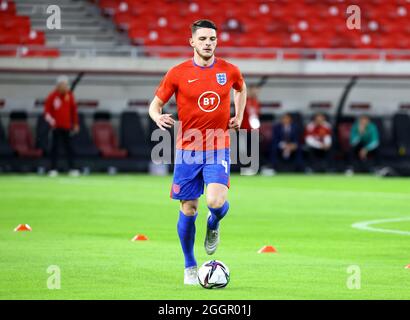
(183, 217)
(220, 211)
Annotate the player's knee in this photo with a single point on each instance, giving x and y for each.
(189, 208)
(216, 202)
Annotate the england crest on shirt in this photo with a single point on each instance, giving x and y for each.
(221, 78)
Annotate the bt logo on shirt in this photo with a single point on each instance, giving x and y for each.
(209, 101)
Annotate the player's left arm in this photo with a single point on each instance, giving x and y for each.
(239, 98)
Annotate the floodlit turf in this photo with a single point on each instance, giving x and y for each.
(84, 226)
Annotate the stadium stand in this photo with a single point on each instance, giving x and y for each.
(17, 37)
(300, 24)
(283, 29)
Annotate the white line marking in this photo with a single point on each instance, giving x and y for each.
(365, 225)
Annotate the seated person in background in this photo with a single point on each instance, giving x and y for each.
(364, 141)
(286, 144)
(318, 139)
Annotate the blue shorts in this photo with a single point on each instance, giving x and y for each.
(193, 169)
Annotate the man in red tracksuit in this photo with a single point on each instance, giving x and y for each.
(60, 112)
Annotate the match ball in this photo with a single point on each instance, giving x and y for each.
(213, 274)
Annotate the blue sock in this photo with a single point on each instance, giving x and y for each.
(216, 215)
(186, 232)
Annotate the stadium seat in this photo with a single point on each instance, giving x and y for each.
(17, 35)
(42, 134)
(386, 147)
(343, 136)
(21, 140)
(133, 137)
(82, 143)
(106, 140)
(401, 133)
(5, 150)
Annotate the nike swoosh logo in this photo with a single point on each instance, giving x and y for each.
(189, 81)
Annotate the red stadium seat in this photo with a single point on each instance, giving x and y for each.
(7, 7)
(343, 134)
(281, 24)
(16, 31)
(33, 38)
(8, 52)
(40, 53)
(21, 140)
(106, 141)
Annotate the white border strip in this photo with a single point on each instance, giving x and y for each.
(365, 225)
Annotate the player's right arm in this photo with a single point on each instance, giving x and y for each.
(166, 89)
(155, 112)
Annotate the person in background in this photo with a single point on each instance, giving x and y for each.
(318, 140)
(250, 120)
(286, 144)
(252, 111)
(364, 142)
(60, 111)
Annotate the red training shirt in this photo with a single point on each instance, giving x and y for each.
(203, 102)
(63, 109)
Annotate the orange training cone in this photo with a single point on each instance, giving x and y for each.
(23, 227)
(407, 267)
(267, 249)
(139, 237)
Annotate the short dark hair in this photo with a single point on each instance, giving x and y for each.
(203, 23)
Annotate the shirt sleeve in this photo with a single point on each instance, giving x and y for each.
(167, 87)
(354, 135)
(374, 138)
(237, 79)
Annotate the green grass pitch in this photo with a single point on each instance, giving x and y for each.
(84, 226)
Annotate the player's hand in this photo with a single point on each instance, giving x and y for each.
(363, 154)
(76, 129)
(51, 121)
(235, 123)
(164, 121)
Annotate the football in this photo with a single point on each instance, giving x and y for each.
(213, 274)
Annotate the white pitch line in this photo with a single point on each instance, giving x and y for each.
(365, 225)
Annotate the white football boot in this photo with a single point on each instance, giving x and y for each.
(191, 276)
(211, 239)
